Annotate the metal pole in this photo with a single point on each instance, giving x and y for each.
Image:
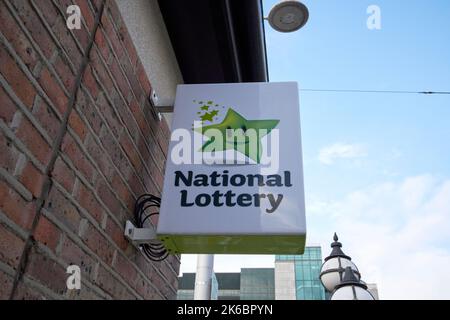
(203, 278)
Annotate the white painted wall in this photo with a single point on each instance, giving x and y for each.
(147, 30)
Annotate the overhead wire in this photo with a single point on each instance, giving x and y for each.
(376, 91)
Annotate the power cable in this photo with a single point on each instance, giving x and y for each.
(154, 251)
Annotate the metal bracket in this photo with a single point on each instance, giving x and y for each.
(139, 236)
(159, 109)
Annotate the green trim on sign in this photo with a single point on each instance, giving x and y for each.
(234, 244)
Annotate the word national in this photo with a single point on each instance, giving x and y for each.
(231, 198)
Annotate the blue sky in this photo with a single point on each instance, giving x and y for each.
(377, 166)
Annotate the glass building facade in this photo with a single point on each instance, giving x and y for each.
(307, 269)
(257, 284)
(249, 284)
(295, 277)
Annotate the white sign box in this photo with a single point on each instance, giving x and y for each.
(234, 178)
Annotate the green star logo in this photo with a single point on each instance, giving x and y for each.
(236, 132)
(207, 117)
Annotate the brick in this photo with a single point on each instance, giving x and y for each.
(135, 185)
(119, 77)
(150, 118)
(64, 71)
(86, 13)
(63, 174)
(33, 140)
(47, 233)
(111, 34)
(8, 108)
(53, 91)
(158, 281)
(129, 46)
(48, 10)
(25, 292)
(87, 200)
(11, 247)
(131, 76)
(107, 196)
(101, 45)
(87, 109)
(113, 11)
(96, 4)
(139, 117)
(82, 36)
(35, 26)
(124, 167)
(17, 38)
(77, 156)
(110, 116)
(109, 143)
(98, 243)
(152, 181)
(100, 70)
(8, 155)
(77, 125)
(71, 253)
(144, 289)
(15, 207)
(32, 179)
(46, 271)
(90, 83)
(16, 78)
(63, 209)
(108, 283)
(67, 42)
(143, 79)
(62, 6)
(102, 161)
(130, 151)
(163, 126)
(116, 234)
(47, 118)
(6, 284)
(85, 293)
(143, 150)
(127, 117)
(126, 128)
(126, 270)
(123, 192)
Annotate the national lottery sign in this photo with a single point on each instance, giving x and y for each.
(234, 179)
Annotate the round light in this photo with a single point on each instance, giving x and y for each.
(288, 16)
(351, 293)
(351, 287)
(332, 272)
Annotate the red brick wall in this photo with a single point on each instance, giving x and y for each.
(78, 143)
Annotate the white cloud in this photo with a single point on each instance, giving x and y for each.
(329, 154)
(398, 234)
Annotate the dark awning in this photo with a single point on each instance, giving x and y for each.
(217, 41)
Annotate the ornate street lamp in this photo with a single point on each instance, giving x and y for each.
(351, 288)
(332, 271)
